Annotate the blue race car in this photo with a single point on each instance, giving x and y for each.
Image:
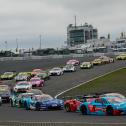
(104, 106)
(43, 102)
(18, 99)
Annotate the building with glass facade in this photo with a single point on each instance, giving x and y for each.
(77, 35)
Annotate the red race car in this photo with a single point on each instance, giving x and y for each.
(73, 62)
(72, 104)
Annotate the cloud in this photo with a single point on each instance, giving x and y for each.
(27, 19)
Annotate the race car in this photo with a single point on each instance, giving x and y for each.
(43, 102)
(36, 82)
(44, 75)
(86, 65)
(22, 86)
(36, 71)
(72, 104)
(69, 68)
(73, 62)
(18, 99)
(23, 76)
(97, 61)
(121, 57)
(56, 71)
(5, 93)
(104, 106)
(106, 60)
(8, 75)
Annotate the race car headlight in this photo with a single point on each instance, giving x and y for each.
(61, 102)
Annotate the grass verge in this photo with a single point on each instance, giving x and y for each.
(113, 82)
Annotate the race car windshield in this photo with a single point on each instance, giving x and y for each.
(4, 91)
(36, 92)
(44, 98)
(123, 55)
(86, 63)
(37, 71)
(72, 60)
(8, 73)
(35, 80)
(23, 84)
(39, 75)
(68, 66)
(56, 69)
(3, 88)
(115, 100)
(22, 74)
(116, 95)
(47, 98)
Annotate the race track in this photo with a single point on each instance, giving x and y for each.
(54, 86)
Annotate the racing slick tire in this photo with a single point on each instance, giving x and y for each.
(20, 104)
(109, 110)
(67, 108)
(83, 110)
(26, 106)
(11, 103)
(37, 106)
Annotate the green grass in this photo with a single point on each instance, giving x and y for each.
(114, 82)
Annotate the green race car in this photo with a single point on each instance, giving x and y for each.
(23, 76)
(44, 75)
(8, 75)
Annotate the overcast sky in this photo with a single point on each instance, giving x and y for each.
(27, 19)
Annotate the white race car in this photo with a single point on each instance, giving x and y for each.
(23, 86)
(86, 65)
(69, 68)
(106, 59)
(56, 71)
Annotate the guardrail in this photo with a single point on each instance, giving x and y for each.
(58, 124)
(59, 56)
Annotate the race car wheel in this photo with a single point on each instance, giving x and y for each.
(26, 106)
(11, 103)
(20, 104)
(67, 108)
(37, 107)
(83, 110)
(109, 110)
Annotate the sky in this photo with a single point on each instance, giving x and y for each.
(23, 21)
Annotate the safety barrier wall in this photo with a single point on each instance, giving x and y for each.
(58, 56)
(56, 124)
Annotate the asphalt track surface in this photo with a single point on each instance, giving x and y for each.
(54, 86)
